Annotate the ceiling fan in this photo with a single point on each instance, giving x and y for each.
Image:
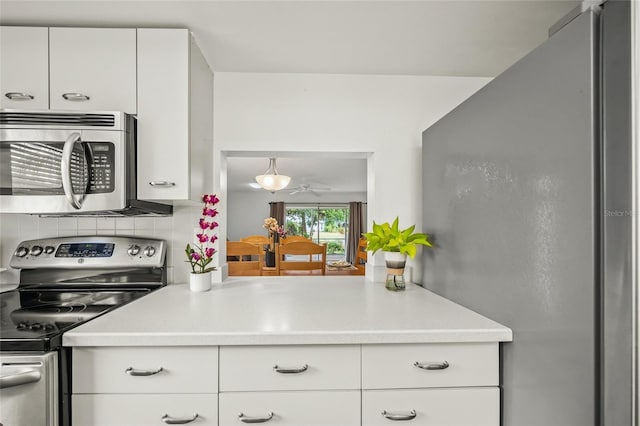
(305, 187)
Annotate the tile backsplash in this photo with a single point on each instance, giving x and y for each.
(177, 230)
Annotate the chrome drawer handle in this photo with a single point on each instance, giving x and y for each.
(75, 97)
(18, 96)
(133, 372)
(398, 416)
(283, 370)
(174, 421)
(247, 419)
(162, 184)
(432, 365)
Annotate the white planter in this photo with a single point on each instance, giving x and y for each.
(200, 282)
(395, 270)
(395, 260)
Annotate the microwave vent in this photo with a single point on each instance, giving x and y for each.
(59, 119)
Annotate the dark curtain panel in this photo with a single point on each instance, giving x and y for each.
(277, 211)
(355, 230)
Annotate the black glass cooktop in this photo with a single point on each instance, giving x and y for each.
(34, 319)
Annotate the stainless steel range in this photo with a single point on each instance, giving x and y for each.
(64, 282)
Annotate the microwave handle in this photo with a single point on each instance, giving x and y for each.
(65, 170)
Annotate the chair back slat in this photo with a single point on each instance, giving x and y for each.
(309, 249)
(244, 258)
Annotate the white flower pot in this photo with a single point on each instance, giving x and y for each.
(200, 282)
(395, 270)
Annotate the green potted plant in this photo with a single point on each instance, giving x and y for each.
(396, 245)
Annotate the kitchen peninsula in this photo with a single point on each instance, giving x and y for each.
(245, 351)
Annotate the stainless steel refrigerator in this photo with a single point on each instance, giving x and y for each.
(527, 194)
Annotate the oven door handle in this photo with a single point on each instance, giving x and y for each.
(20, 377)
(65, 170)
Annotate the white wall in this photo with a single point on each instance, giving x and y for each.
(248, 209)
(176, 230)
(384, 115)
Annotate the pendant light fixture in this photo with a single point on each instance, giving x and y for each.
(271, 180)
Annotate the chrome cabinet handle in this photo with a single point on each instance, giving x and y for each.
(75, 97)
(283, 370)
(18, 96)
(65, 170)
(133, 372)
(398, 416)
(20, 377)
(174, 421)
(247, 419)
(162, 184)
(431, 365)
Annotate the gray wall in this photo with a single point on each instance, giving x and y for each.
(509, 195)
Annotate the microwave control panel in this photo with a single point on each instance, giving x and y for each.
(101, 179)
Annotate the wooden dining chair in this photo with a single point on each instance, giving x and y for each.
(258, 240)
(316, 262)
(244, 258)
(361, 255)
(295, 239)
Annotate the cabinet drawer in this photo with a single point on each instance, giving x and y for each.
(313, 408)
(130, 370)
(257, 368)
(428, 407)
(429, 365)
(144, 410)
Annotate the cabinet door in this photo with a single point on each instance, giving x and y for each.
(24, 67)
(309, 408)
(163, 114)
(144, 410)
(93, 69)
(428, 407)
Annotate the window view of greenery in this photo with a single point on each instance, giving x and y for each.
(321, 223)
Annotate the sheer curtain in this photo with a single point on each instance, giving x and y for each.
(277, 211)
(355, 230)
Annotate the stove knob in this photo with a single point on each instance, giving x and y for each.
(133, 250)
(36, 250)
(49, 249)
(22, 251)
(149, 251)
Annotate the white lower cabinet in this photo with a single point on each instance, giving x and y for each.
(301, 408)
(436, 384)
(145, 410)
(431, 407)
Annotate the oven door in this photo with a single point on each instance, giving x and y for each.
(29, 389)
(53, 171)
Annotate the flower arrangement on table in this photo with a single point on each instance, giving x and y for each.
(200, 255)
(274, 232)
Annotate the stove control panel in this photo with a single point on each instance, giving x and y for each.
(89, 252)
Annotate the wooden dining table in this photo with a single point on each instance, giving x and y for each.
(329, 270)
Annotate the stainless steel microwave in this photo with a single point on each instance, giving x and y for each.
(70, 163)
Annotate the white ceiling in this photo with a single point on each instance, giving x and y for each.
(332, 173)
(454, 37)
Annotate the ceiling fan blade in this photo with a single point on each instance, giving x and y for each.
(314, 192)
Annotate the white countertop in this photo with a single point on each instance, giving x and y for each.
(287, 310)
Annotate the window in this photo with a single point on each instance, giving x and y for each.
(322, 223)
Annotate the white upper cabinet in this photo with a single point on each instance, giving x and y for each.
(93, 69)
(24, 67)
(175, 116)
